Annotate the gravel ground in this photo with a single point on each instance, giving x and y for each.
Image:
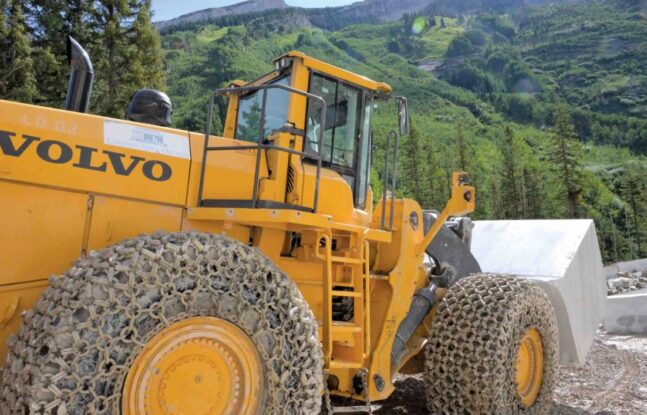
(613, 381)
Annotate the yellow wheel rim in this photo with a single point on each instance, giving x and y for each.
(530, 367)
(201, 365)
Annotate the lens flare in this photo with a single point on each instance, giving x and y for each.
(418, 25)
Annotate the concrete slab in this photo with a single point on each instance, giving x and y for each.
(561, 256)
(627, 313)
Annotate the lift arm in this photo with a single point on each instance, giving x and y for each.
(461, 202)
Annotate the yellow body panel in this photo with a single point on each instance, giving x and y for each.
(64, 149)
(41, 232)
(71, 183)
(114, 220)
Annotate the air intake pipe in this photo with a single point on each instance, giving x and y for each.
(81, 77)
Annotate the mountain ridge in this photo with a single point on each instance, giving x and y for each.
(366, 11)
(245, 7)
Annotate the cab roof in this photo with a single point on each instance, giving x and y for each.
(337, 72)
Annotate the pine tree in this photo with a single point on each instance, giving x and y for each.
(533, 181)
(146, 60)
(634, 192)
(17, 80)
(448, 169)
(118, 35)
(431, 178)
(511, 171)
(129, 54)
(410, 163)
(4, 29)
(52, 22)
(111, 64)
(497, 209)
(564, 153)
(462, 147)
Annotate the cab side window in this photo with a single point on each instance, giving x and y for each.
(248, 122)
(346, 136)
(343, 115)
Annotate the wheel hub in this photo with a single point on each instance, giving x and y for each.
(201, 365)
(530, 367)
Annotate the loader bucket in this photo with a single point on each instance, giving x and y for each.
(562, 257)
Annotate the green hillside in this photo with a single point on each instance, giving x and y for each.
(595, 53)
(484, 91)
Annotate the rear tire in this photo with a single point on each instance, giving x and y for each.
(475, 342)
(74, 350)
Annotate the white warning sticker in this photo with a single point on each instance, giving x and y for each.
(145, 139)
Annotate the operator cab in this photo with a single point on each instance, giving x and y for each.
(345, 121)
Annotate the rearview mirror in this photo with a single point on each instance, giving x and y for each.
(403, 116)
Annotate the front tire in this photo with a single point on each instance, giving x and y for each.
(493, 349)
(123, 309)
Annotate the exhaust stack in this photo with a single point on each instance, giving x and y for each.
(81, 77)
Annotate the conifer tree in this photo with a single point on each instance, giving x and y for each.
(634, 192)
(17, 80)
(497, 209)
(510, 190)
(462, 147)
(4, 29)
(410, 163)
(533, 182)
(431, 178)
(564, 153)
(119, 37)
(111, 66)
(146, 60)
(52, 22)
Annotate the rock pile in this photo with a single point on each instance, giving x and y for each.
(627, 281)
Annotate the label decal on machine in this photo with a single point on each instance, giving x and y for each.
(145, 139)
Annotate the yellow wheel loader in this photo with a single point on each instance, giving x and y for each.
(148, 270)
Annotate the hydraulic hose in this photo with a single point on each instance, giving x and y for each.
(423, 301)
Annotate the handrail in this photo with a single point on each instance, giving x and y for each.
(394, 177)
(261, 146)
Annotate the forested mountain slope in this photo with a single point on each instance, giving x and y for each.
(596, 54)
(486, 91)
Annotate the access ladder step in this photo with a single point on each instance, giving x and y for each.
(355, 294)
(339, 327)
(344, 364)
(346, 260)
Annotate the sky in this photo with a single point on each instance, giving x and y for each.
(167, 9)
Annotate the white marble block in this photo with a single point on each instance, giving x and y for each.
(561, 256)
